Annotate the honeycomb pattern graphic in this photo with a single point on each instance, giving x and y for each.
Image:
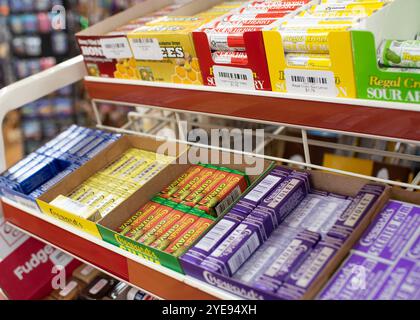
(188, 73)
(127, 69)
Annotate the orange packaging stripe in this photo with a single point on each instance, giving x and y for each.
(142, 214)
(159, 229)
(194, 183)
(200, 193)
(181, 181)
(179, 245)
(174, 231)
(150, 222)
(224, 188)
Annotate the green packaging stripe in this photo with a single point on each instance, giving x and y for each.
(170, 203)
(196, 212)
(159, 200)
(207, 216)
(183, 208)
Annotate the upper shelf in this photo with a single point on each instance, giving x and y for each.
(376, 118)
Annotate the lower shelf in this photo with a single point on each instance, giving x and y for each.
(153, 278)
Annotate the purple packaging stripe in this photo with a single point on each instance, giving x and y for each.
(235, 216)
(243, 208)
(214, 266)
(285, 198)
(300, 280)
(233, 252)
(354, 214)
(259, 262)
(391, 231)
(326, 212)
(225, 283)
(291, 257)
(265, 186)
(413, 252)
(339, 196)
(308, 205)
(358, 278)
(214, 237)
(193, 257)
(266, 217)
(402, 283)
(318, 193)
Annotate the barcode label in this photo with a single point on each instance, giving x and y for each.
(146, 49)
(143, 41)
(116, 48)
(233, 76)
(249, 247)
(229, 77)
(228, 201)
(261, 190)
(311, 82)
(59, 258)
(215, 235)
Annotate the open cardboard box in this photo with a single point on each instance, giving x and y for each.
(111, 153)
(339, 79)
(399, 20)
(112, 221)
(95, 42)
(334, 183)
(105, 228)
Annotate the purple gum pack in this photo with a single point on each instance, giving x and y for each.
(265, 255)
(285, 198)
(230, 255)
(360, 206)
(286, 261)
(391, 231)
(211, 240)
(304, 275)
(325, 215)
(358, 278)
(402, 283)
(266, 186)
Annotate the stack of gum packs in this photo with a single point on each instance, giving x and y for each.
(105, 190)
(305, 36)
(225, 34)
(281, 234)
(45, 167)
(185, 209)
(385, 263)
(163, 48)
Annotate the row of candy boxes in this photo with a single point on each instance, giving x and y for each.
(281, 237)
(290, 46)
(284, 240)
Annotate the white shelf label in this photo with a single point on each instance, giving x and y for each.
(146, 49)
(116, 48)
(235, 78)
(312, 82)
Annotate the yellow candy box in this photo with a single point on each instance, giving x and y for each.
(164, 53)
